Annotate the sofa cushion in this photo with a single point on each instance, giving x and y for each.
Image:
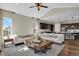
(18, 40)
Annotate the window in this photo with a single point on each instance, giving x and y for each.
(7, 26)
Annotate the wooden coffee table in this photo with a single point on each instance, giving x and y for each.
(41, 47)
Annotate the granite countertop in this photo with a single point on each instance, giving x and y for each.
(67, 33)
(64, 32)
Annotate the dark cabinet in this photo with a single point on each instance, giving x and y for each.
(51, 27)
(43, 26)
(46, 26)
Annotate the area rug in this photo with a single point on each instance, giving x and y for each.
(23, 50)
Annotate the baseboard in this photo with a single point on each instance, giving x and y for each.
(19, 43)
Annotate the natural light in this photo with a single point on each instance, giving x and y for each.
(7, 27)
(24, 49)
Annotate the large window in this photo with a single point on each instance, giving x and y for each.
(7, 26)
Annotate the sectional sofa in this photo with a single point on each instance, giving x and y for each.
(57, 38)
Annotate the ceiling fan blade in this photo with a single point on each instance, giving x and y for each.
(44, 6)
(32, 6)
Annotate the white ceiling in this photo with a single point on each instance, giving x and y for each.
(56, 12)
(23, 8)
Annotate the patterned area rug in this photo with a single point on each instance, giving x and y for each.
(23, 50)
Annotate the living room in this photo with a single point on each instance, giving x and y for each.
(56, 26)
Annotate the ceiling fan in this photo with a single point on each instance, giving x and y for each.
(39, 5)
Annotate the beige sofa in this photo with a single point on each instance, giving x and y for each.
(21, 39)
(18, 40)
(27, 41)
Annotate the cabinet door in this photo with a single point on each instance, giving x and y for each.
(51, 27)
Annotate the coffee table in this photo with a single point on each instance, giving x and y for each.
(40, 47)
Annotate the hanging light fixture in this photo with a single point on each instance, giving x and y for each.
(72, 26)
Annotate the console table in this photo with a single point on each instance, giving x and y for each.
(8, 40)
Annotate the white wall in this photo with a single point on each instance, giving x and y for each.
(20, 24)
(0, 35)
(57, 27)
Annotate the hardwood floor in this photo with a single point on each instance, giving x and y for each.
(71, 48)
